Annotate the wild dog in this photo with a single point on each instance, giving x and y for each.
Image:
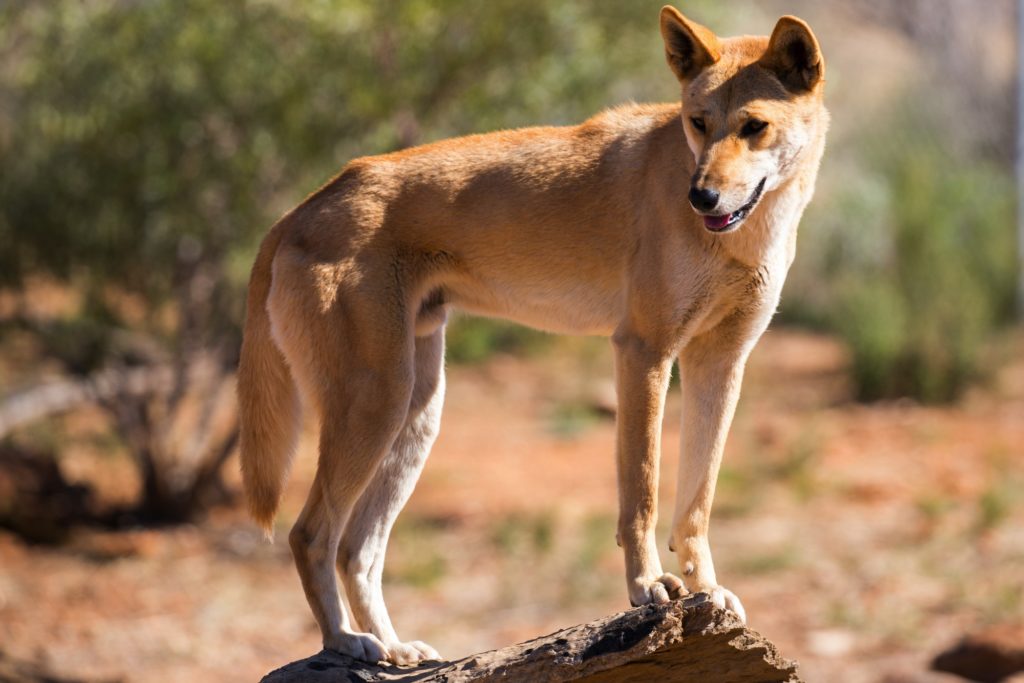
(669, 228)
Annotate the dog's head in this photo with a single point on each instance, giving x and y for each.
(751, 107)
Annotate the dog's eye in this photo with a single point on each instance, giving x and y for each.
(698, 123)
(752, 127)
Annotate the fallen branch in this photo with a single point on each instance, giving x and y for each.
(685, 640)
(60, 396)
(179, 446)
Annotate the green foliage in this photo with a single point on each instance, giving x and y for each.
(417, 559)
(918, 320)
(571, 418)
(528, 535)
(911, 262)
(139, 138)
(772, 562)
(149, 137)
(471, 340)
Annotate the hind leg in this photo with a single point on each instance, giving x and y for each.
(314, 539)
(358, 430)
(361, 554)
(354, 362)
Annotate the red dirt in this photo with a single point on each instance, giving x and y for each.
(862, 539)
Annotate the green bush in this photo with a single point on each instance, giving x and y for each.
(141, 142)
(471, 340)
(918, 316)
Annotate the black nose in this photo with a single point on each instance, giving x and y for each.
(703, 200)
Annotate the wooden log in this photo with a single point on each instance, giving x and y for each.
(685, 640)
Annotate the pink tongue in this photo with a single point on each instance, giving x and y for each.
(716, 222)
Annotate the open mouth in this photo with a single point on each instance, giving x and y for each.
(726, 221)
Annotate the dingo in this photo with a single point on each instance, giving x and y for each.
(669, 228)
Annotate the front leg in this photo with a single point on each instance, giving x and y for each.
(642, 372)
(711, 370)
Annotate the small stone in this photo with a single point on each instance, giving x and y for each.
(830, 642)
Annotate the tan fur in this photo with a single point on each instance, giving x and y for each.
(268, 401)
(584, 229)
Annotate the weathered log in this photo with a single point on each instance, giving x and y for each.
(685, 640)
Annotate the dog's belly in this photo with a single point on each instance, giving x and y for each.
(566, 308)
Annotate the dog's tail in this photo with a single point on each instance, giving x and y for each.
(268, 400)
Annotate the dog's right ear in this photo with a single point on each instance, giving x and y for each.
(689, 47)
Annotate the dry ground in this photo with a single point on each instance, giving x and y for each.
(862, 539)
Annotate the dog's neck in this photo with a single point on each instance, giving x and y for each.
(768, 235)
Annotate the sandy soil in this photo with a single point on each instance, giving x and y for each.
(862, 539)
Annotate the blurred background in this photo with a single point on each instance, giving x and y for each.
(871, 503)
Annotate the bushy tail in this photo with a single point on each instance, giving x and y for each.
(268, 400)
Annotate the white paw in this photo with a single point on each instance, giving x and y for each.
(726, 599)
(655, 591)
(361, 646)
(413, 652)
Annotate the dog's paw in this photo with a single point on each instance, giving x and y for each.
(726, 599)
(362, 646)
(655, 591)
(413, 652)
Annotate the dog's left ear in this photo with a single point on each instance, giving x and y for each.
(794, 55)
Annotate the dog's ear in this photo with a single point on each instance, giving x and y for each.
(689, 47)
(794, 55)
